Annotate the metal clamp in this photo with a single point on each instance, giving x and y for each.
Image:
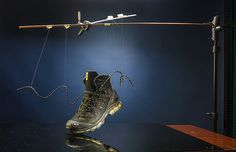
(84, 27)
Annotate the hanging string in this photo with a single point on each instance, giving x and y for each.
(40, 56)
(64, 86)
(65, 56)
(122, 34)
(113, 35)
(65, 65)
(36, 69)
(35, 72)
(39, 95)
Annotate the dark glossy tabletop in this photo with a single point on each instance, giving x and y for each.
(114, 137)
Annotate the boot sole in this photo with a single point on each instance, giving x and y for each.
(111, 111)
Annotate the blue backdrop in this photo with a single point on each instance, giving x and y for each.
(171, 66)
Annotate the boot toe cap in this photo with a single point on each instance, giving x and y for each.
(71, 124)
(75, 126)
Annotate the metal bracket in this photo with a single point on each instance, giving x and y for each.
(84, 27)
(79, 17)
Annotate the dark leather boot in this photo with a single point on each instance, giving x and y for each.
(98, 102)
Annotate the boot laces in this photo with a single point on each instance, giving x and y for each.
(122, 78)
(88, 103)
(89, 100)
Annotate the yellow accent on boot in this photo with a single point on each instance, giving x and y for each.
(114, 110)
(86, 76)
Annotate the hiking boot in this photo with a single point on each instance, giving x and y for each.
(99, 101)
(83, 143)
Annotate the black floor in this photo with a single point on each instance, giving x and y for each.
(121, 137)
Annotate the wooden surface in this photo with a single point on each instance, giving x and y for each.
(216, 139)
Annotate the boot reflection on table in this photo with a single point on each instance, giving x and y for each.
(83, 143)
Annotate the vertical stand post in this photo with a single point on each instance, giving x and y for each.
(215, 39)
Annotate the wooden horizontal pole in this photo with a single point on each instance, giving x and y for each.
(114, 24)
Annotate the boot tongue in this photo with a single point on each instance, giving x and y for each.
(88, 81)
(103, 80)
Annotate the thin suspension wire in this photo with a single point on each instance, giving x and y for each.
(113, 35)
(40, 56)
(64, 86)
(123, 38)
(65, 56)
(122, 35)
(64, 70)
(65, 78)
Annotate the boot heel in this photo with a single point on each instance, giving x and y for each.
(116, 108)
